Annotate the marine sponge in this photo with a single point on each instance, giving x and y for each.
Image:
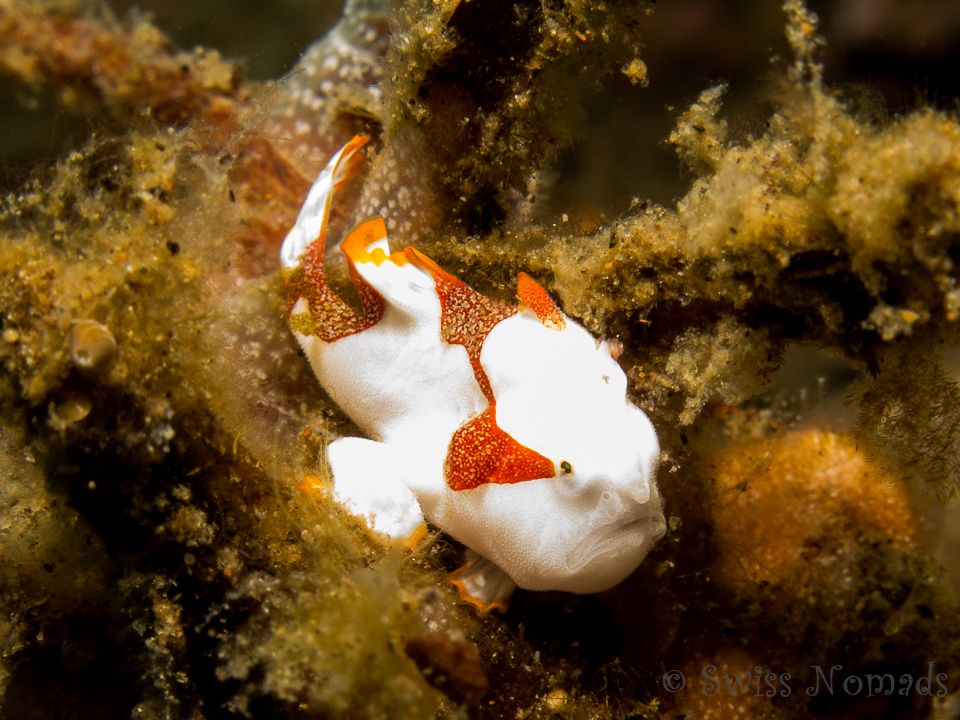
(801, 526)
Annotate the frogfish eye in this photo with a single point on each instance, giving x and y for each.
(566, 467)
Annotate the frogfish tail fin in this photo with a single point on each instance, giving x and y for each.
(311, 224)
(313, 308)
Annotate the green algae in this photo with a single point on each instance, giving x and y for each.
(490, 92)
(910, 417)
(342, 636)
(100, 237)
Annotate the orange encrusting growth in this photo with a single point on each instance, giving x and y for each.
(533, 296)
(310, 484)
(480, 452)
(787, 502)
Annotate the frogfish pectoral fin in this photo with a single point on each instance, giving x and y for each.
(366, 481)
(483, 584)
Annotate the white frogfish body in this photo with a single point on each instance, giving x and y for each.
(507, 427)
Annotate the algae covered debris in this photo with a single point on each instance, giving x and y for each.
(169, 545)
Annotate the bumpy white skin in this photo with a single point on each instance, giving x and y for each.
(406, 389)
(561, 395)
(557, 392)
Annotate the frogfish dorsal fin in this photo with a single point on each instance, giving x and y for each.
(533, 296)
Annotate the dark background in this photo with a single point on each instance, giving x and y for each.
(892, 56)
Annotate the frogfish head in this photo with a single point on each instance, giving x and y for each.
(584, 530)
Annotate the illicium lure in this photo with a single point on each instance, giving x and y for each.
(507, 427)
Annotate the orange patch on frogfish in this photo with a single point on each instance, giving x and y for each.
(466, 316)
(356, 246)
(480, 453)
(330, 317)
